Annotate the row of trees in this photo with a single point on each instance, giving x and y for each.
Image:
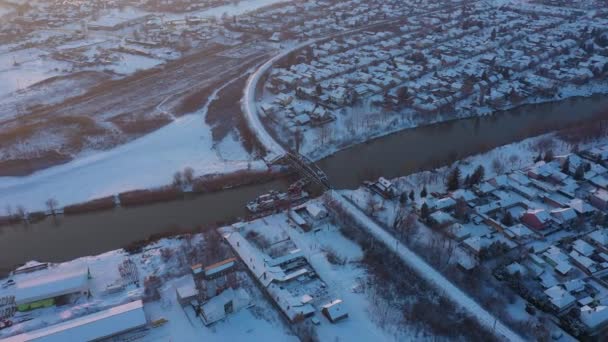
(184, 178)
(453, 180)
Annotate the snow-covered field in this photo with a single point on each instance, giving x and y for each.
(147, 162)
(19, 70)
(129, 64)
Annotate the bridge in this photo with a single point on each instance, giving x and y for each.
(308, 169)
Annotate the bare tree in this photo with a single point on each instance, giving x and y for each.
(178, 179)
(409, 227)
(188, 175)
(325, 134)
(372, 205)
(514, 159)
(497, 166)
(9, 210)
(51, 205)
(21, 212)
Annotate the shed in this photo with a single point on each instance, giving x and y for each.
(316, 211)
(334, 311)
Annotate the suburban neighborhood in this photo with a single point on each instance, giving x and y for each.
(319, 170)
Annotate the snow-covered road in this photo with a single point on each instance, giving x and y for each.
(427, 272)
(274, 150)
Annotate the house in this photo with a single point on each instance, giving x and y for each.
(515, 268)
(384, 187)
(594, 318)
(219, 269)
(276, 37)
(581, 207)
(186, 290)
(334, 311)
(298, 220)
(585, 263)
(220, 306)
(583, 247)
(441, 218)
(101, 325)
(536, 219)
(600, 181)
(518, 232)
(564, 215)
(316, 210)
(599, 238)
(599, 199)
(560, 299)
(556, 258)
(212, 279)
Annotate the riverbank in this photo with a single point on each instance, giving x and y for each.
(395, 156)
(338, 138)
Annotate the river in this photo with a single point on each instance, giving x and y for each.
(394, 155)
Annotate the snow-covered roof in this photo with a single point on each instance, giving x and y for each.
(580, 206)
(518, 231)
(583, 247)
(515, 267)
(559, 297)
(102, 324)
(564, 214)
(540, 214)
(593, 317)
(316, 210)
(599, 236)
(441, 217)
(214, 309)
(186, 288)
(219, 267)
(335, 309)
(49, 284)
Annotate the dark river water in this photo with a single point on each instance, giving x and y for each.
(394, 155)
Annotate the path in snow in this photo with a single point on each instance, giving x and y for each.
(428, 272)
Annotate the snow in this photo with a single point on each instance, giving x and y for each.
(427, 272)
(129, 64)
(31, 68)
(116, 16)
(343, 281)
(5, 10)
(147, 162)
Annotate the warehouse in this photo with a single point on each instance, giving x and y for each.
(100, 325)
